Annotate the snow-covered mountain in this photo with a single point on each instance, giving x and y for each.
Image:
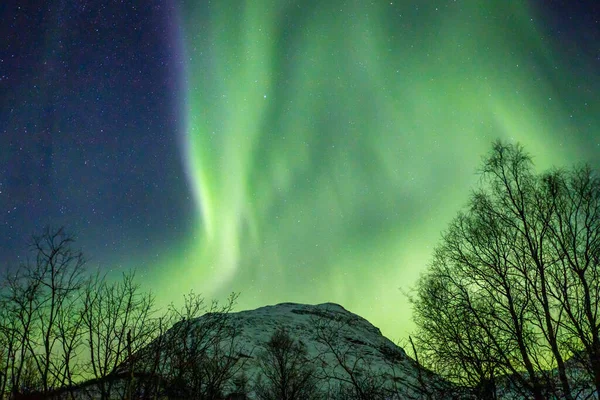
(229, 356)
(343, 348)
(357, 344)
(222, 356)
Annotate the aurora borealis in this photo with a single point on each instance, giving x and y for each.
(309, 151)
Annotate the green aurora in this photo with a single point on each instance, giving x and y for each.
(328, 143)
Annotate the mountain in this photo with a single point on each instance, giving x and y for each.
(348, 357)
(285, 351)
(282, 352)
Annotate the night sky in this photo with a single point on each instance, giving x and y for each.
(304, 151)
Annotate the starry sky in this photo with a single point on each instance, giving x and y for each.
(291, 150)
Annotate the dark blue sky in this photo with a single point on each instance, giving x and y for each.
(89, 125)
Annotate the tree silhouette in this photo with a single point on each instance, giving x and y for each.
(575, 236)
(61, 325)
(193, 357)
(512, 289)
(117, 318)
(40, 328)
(286, 373)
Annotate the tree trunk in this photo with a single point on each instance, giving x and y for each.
(594, 357)
(560, 363)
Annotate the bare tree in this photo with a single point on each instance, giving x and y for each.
(58, 273)
(430, 386)
(518, 200)
(285, 371)
(36, 299)
(4, 356)
(117, 321)
(459, 338)
(17, 327)
(513, 284)
(59, 327)
(345, 366)
(484, 270)
(70, 332)
(575, 236)
(199, 354)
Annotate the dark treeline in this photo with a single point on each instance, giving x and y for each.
(66, 333)
(510, 300)
(70, 333)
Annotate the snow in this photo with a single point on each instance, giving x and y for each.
(360, 343)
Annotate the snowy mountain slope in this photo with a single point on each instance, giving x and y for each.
(344, 349)
(340, 345)
(354, 335)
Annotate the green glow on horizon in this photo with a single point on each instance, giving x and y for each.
(328, 146)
